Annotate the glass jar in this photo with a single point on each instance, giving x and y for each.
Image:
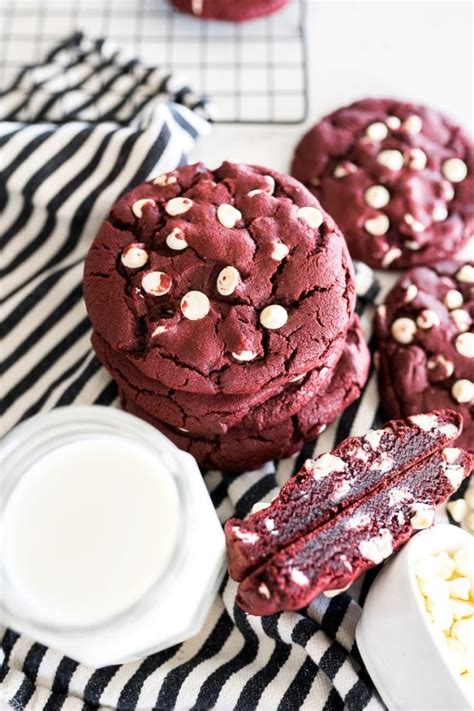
(110, 546)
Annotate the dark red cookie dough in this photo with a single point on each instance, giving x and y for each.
(397, 177)
(425, 339)
(234, 280)
(272, 430)
(332, 482)
(333, 556)
(231, 10)
(317, 398)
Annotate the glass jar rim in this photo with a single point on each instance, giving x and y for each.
(46, 432)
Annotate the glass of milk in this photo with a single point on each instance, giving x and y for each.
(110, 547)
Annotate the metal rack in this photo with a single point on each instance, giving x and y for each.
(255, 72)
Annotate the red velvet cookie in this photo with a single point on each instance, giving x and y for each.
(271, 431)
(222, 281)
(315, 398)
(425, 338)
(397, 177)
(231, 10)
(332, 557)
(332, 482)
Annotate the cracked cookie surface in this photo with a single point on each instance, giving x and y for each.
(425, 337)
(397, 177)
(222, 281)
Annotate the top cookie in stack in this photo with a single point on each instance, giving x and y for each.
(223, 300)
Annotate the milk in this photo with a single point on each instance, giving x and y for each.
(89, 529)
(110, 547)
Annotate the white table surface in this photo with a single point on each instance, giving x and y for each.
(406, 49)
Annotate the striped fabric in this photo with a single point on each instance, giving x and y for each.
(78, 131)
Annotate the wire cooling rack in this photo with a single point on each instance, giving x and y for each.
(255, 72)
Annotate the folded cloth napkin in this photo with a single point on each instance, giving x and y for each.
(80, 129)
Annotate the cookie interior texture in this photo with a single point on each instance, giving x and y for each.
(396, 176)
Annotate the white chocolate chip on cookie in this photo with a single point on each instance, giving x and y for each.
(377, 226)
(274, 316)
(134, 256)
(138, 205)
(311, 215)
(454, 169)
(178, 206)
(227, 281)
(376, 131)
(156, 283)
(377, 196)
(463, 390)
(391, 159)
(175, 240)
(228, 215)
(465, 344)
(403, 330)
(195, 305)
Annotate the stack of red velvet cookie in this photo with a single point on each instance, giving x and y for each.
(223, 305)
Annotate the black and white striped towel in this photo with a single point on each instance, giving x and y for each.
(78, 131)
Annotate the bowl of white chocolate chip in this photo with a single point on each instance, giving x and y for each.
(416, 632)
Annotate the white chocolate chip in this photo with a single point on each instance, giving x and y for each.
(453, 299)
(134, 256)
(377, 226)
(391, 159)
(376, 131)
(195, 305)
(279, 251)
(464, 562)
(228, 281)
(410, 294)
(403, 330)
(358, 521)
(413, 124)
(137, 207)
(373, 438)
(466, 274)
(423, 516)
(378, 548)
(178, 206)
(247, 537)
(427, 423)
(447, 190)
(270, 184)
(417, 159)
(465, 344)
(469, 495)
(311, 215)
(244, 356)
(449, 430)
(460, 587)
(299, 578)
(451, 454)
(273, 316)
(440, 213)
(257, 191)
(412, 245)
(228, 215)
(159, 330)
(175, 241)
(461, 318)
(390, 256)
(326, 464)
(269, 524)
(416, 225)
(156, 283)
(343, 169)
(393, 122)
(463, 390)
(397, 496)
(377, 196)
(455, 474)
(427, 319)
(454, 169)
(164, 180)
(264, 591)
(457, 509)
(441, 363)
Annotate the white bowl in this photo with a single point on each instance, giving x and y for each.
(395, 636)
